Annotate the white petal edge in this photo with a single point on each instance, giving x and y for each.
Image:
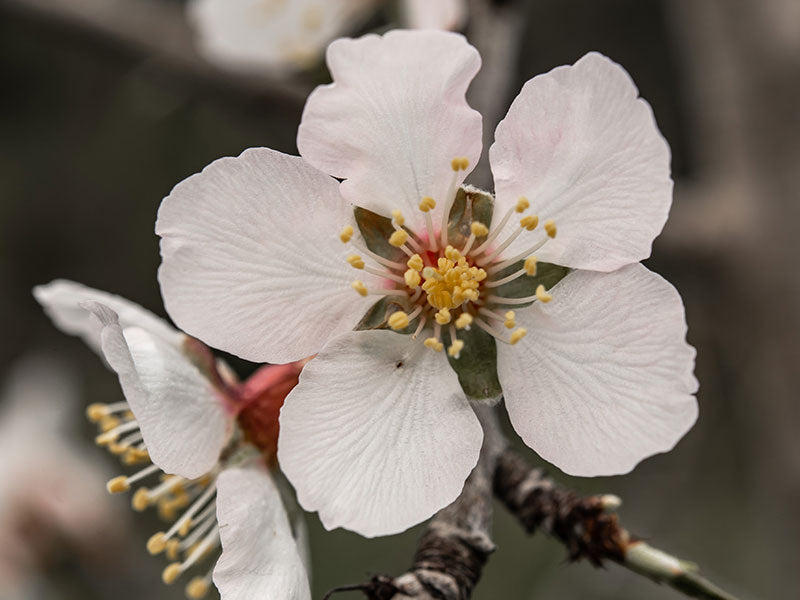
(378, 435)
(581, 145)
(260, 558)
(604, 377)
(61, 300)
(254, 35)
(394, 118)
(441, 14)
(252, 262)
(182, 418)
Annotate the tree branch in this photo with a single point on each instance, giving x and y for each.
(587, 528)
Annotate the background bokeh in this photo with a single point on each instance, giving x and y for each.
(98, 123)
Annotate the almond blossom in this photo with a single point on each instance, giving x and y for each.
(292, 34)
(369, 250)
(201, 443)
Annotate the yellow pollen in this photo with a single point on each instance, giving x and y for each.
(118, 485)
(108, 423)
(478, 229)
(359, 287)
(510, 323)
(173, 547)
(452, 254)
(140, 500)
(530, 265)
(434, 344)
(95, 412)
(522, 204)
(398, 217)
(518, 335)
(183, 530)
(171, 573)
(399, 320)
(459, 163)
(443, 316)
(452, 282)
(346, 234)
(398, 238)
(463, 321)
(415, 262)
(197, 588)
(355, 261)
(455, 348)
(157, 543)
(542, 295)
(116, 448)
(530, 222)
(427, 204)
(412, 278)
(135, 456)
(550, 227)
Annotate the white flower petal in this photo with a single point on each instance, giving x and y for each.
(586, 151)
(440, 14)
(182, 418)
(61, 300)
(377, 436)
(250, 35)
(604, 377)
(252, 261)
(260, 560)
(394, 118)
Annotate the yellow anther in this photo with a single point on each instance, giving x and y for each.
(510, 314)
(116, 448)
(171, 573)
(185, 527)
(434, 344)
(452, 254)
(355, 261)
(522, 204)
(359, 287)
(415, 262)
(398, 238)
(157, 543)
(430, 273)
(108, 423)
(135, 456)
(399, 320)
(459, 163)
(542, 295)
(478, 229)
(518, 335)
(455, 348)
(412, 278)
(463, 321)
(443, 316)
(140, 500)
(173, 549)
(529, 222)
(398, 217)
(104, 439)
(530, 265)
(510, 323)
(197, 588)
(118, 485)
(550, 227)
(95, 412)
(427, 204)
(346, 234)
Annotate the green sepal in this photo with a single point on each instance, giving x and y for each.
(476, 367)
(471, 204)
(376, 230)
(377, 316)
(547, 274)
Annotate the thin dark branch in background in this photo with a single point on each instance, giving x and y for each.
(157, 32)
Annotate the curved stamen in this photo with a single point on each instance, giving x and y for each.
(457, 164)
(510, 261)
(541, 295)
(426, 205)
(421, 324)
(521, 206)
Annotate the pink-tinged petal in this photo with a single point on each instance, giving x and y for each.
(377, 436)
(250, 35)
(604, 377)
(394, 118)
(260, 558)
(62, 299)
(581, 145)
(182, 418)
(442, 14)
(252, 262)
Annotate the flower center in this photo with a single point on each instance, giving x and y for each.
(449, 287)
